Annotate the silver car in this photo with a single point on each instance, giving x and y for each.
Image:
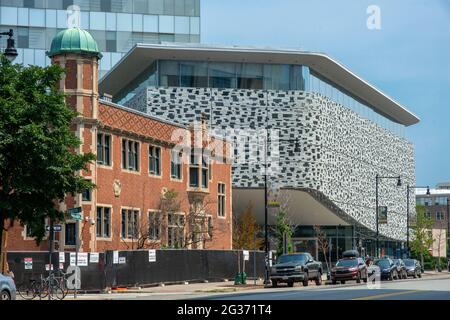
(7, 288)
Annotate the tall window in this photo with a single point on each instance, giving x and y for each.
(70, 236)
(130, 224)
(130, 155)
(154, 225)
(154, 160)
(176, 165)
(221, 196)
(104, 149)
(103, 222)
(87, 195)
(175, 230)
(198, 171)
(440, 216)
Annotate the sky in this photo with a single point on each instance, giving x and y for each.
(408, 57)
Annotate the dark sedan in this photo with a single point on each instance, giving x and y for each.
(388, 269)
(413, 268)
(401, 268)
(349, 269)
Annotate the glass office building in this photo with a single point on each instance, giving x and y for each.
(116, 25)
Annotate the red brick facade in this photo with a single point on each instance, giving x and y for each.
(139, 191)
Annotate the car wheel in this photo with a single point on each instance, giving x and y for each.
(319, 279)
(290, 284)
(333, 281)
(274, 283)
(342, 282)
(306, 280)
(5, 295)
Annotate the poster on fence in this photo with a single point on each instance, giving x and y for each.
(94, 257)
(72, 258)
(28, 263)
(122, 260)
(152, 256)
(116, 257)
(62, 257)
(83, 259)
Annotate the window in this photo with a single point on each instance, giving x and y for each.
(154, 226)
(103, 222)
(440, 201)
(130, 155)
(130, 224)
(28, 232)
(221, 200)
(175, 165)
(104, 149)
(428, 215)
(440, 216)
(198, 171)
(175, 230)
(70, 236)
(87, 195)
(154, 160)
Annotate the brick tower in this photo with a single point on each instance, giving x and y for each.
(77, 52)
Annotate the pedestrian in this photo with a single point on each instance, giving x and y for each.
(368, 260)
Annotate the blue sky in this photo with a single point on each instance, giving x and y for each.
(408, 59)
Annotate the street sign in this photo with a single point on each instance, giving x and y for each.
(75, 213)
(56, 228)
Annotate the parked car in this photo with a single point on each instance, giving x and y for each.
(7, 288)
(388, 269)
(413, 268)
(298, 267)
(349, 269)
(401, 268)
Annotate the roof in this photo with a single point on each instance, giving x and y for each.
(142, 56)
(74, 40)
(433, 192)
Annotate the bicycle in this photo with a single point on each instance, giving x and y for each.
(45, 287)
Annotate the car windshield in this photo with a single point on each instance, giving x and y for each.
(347, 263)
(397, 262)
(383, 263)
(302, 258)
(409, 263)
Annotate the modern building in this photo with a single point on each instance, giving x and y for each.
(330, 133)
(147, 191)
(116, 25)
(437, 205)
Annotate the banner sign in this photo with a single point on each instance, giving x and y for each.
(382, 215)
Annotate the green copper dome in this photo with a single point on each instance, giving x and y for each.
(74, 40)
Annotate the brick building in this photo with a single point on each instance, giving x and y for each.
(144, 196)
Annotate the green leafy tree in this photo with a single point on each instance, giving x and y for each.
(245, 230)
(282, 227)
(422, 235)
(38, 162)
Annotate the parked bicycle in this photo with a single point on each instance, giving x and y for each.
(42, 288)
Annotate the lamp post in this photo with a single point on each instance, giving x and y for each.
(10, 51)
(266, 206)
(377, 180)
(408, 187)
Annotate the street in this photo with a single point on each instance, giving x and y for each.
(435, 287)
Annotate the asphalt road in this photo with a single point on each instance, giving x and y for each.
(414, 289)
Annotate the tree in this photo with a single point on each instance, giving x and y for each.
(421, 232)
(322, 242)
(246, 230)
(38, 165)
(283, 228)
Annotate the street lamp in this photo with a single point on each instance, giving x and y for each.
(266, 205)
(377, 180)
(408, 187)
(10, 51)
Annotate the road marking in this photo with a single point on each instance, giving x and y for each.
(380, 296)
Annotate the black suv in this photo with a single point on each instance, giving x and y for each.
(349, 269)
(298, 267)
